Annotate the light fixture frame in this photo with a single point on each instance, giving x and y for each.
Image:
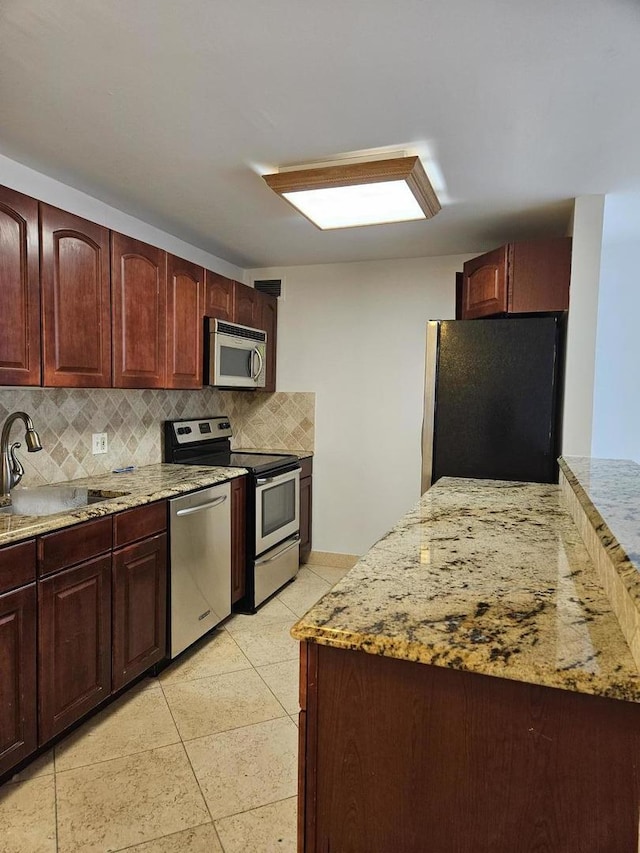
(409, 169)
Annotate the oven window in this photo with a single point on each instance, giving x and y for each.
(278, 507)
(235, 362)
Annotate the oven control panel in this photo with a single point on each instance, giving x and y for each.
(205, 429)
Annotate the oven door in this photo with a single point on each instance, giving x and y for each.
(277, 509)
(237, 362)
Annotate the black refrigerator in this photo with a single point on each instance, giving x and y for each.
(493, 399)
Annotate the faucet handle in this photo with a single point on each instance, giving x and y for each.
(17, 471)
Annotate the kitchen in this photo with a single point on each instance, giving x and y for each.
(352, 376)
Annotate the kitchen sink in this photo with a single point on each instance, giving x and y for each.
(49, 500)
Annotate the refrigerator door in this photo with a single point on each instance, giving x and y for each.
(496, 391)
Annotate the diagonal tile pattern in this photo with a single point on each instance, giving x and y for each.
(66, 417)
(203, 758)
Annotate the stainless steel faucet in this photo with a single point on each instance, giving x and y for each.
(11, 470)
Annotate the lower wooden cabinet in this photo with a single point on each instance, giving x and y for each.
(306, 493)
(238, 539)
(18, 702)
(93, 621)
(139, 608)
(74, 644)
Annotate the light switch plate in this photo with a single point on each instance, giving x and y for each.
(99, 443)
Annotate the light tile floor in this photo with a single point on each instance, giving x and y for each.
(202, 759)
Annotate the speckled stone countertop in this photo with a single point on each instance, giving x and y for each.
(484, 576)
(301, 454)
(143, 485)
(609, 492)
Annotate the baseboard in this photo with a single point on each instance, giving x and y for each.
(329, 558)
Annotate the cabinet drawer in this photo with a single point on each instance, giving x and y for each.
(17, 565)
(139, 523)
(307, 468)
(73, 545)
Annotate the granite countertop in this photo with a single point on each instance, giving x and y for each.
(609, 493)
(484, 576)
(301, 454)
(143, 485)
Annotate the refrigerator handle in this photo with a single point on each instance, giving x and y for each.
(428, 418)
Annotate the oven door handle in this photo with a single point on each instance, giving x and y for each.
(265, 481)
(296, 540)
(200, 507)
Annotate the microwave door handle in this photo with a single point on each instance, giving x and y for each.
(261, 360)
(251, 376)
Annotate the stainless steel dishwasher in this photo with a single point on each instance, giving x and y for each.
(200, 529)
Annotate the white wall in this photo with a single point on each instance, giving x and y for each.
(616, 419)
(355, 334)
(581, 337)
(28, 181)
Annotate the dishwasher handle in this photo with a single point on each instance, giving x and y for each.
(200, 507)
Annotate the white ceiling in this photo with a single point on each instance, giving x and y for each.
(165, 108)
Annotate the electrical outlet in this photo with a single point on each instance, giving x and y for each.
(99, 443)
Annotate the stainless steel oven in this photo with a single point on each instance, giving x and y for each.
(277, 509)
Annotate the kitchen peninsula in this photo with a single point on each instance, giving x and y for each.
(467, 687)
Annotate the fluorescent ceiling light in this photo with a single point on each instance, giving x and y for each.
(367, 193)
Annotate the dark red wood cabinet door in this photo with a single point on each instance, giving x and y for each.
(19, 290)
(139, 300)
(246, 308)
(218, 296)
(305, 517)
(185, 310)
(18, 699)
(139, 608)
(269, 323)
(238, 538)
(484, 287)
(76, 300)
(74, 644)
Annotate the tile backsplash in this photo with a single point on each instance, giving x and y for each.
(66, 418)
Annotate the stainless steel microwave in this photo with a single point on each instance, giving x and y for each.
(236, 355)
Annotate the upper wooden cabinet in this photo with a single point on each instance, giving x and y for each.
(518, 278)
(246, 305)
(76, 301)
(82, 306)
(185, 296)
(19, 290)
(139, 299)
(218, 296)
(269, 322)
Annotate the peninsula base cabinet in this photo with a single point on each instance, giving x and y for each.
(397, 755)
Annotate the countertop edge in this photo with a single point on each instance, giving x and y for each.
(58, 521)
(615, 551)
(623, 690)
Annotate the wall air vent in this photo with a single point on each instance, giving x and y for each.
(272, 286)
